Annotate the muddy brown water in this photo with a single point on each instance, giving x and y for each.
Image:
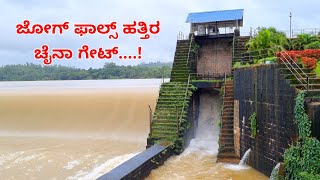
(83, 129)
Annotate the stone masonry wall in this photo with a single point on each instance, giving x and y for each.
(263, 90)
(215, 56)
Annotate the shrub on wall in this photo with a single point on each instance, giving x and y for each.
(302, 159)
(253, 122)
(268, 38)
(303, 41)
(308, 57)
(315, 53)
(313, 45)
(310, 63)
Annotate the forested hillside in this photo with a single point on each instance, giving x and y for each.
(33, 72)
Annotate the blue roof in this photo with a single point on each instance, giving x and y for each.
(215, 16)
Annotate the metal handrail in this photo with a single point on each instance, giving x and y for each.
(294, 32)
(189, 49)
(291, 65)
(291, 68)
(233, 44)
(150, 118)
(217, 76)
(182, 36)
(185, 97)
(184, 102)
(290, 61)
(223, 96)
(260, 50)
(251, 55)
(187, 88)
(296, 64)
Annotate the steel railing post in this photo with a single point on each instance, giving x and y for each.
(150, 118)
(307, 83)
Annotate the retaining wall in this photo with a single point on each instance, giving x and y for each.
(142, 164)
(262, 90)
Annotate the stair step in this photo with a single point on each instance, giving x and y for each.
(163, 132)
(226, 141)
(228, 102)
(228, 106)
(224, 130)
(169, 108)
(182, 56)
(229, 98)
(169, 116)
(172, 100)
(227, 125)
(166, 111)
(222, 145)
(227, 148)
(291, 76)
(169, 103)
(162, 137)
(164, 123)
(180, 63)
(227, 155)
(313, 93)
(164, 128)
(228, 135)
(227, 116)
(227, 121)
(178, 106)
(294, 70)
(311, 80)
(303, 86)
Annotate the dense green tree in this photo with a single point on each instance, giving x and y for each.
(267, 38)
(305, 41)
(33, 72)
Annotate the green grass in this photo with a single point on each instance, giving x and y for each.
(255, 62)
(317, 70)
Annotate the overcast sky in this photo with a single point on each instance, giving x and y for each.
(17, 49)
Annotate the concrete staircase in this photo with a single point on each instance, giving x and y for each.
(168, 111)
(169, 120)
(226, 138)
(239, 47)
(300, 82)
(180, 69)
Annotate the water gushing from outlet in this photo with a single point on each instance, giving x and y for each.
(245, 157)
(198, 161)
(275, 171)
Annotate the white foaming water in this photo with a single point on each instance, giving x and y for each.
(275, 171)
(71, 164)
(198, 161)
(207, 133)
(19, 157)
(236, 167)
(242, 165)
(21, 160)
(102, 169)
(245, 157)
